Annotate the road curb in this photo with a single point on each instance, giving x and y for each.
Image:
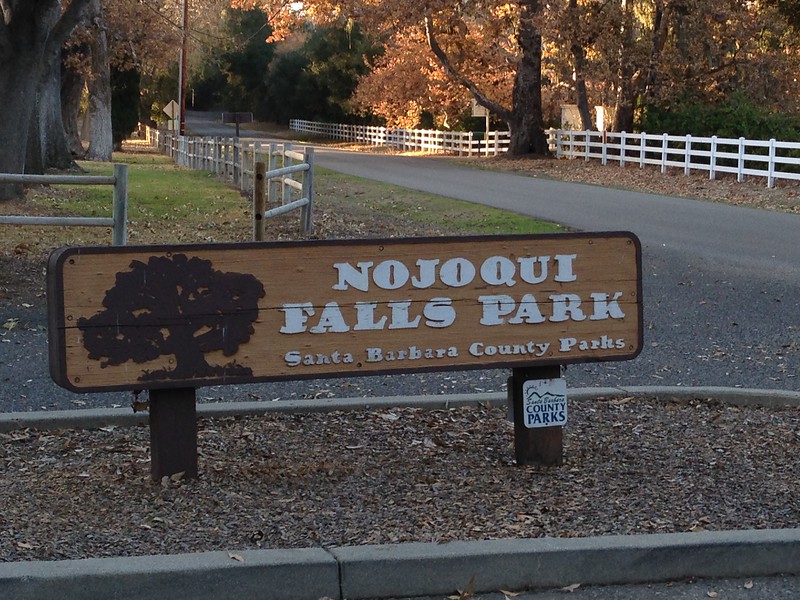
(298, 574)
(429, 569)
(415, 569)
(371, 572)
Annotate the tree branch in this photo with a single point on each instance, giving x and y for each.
(458, 76)
(72, 17)
(7, 9)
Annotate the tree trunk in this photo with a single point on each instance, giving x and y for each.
(526, 122)
(652, 81)
(25, 41)
(17, 76)
(579, 65)
(72, 86)
(20, 66)
(626, 90)
(47, 140)
(101, 142)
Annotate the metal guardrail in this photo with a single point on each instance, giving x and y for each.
(118, 220)
(270, 187)
(237, 162)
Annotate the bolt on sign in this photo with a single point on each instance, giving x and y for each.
(176, 316)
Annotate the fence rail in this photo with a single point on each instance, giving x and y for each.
(463, 143)
(236, 161)
(118, 220)
(769, 159)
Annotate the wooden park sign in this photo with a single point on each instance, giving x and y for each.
(152, 317)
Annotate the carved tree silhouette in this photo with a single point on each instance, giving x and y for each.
(176, 306)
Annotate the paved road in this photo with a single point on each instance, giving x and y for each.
(754, 588)
(721, 289)
(721, 283)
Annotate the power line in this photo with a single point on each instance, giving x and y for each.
(192, 33)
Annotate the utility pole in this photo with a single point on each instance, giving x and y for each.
(182, 67)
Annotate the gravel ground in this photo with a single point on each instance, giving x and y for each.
(399, 475)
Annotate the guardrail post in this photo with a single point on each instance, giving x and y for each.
(218, 168)
(227, 171)
(120, 235)
(259, 201)
(237, 167)
(740, 166)
(712, 168)
(285, 163)
(272, 185)
(643, 150)
(308, 190)
(687, 169)
(771, 165)
(604, 149)
(587, 138)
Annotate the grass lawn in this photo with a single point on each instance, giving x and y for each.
(170, 204)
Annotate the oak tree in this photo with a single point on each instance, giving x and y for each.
(32, 33)
(460, 37)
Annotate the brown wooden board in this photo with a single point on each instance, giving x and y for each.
(176, 316)
(237, 117)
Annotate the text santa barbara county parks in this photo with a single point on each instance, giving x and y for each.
(439, 312)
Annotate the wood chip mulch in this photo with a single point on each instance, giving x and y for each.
(632, 466)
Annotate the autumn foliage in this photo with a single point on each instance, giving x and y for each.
(622, 55)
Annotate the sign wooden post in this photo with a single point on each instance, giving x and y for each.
(172, 317)
(173, 433)
(534, 445)
(238, 118)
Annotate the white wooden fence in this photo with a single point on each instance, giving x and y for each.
(117, 221)
(289, 173)
(463, 143)
(770, 159)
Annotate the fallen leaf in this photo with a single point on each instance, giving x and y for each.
(748, 585)
(571, 588)
(508, 594)
(712, 594)
(236, 557)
